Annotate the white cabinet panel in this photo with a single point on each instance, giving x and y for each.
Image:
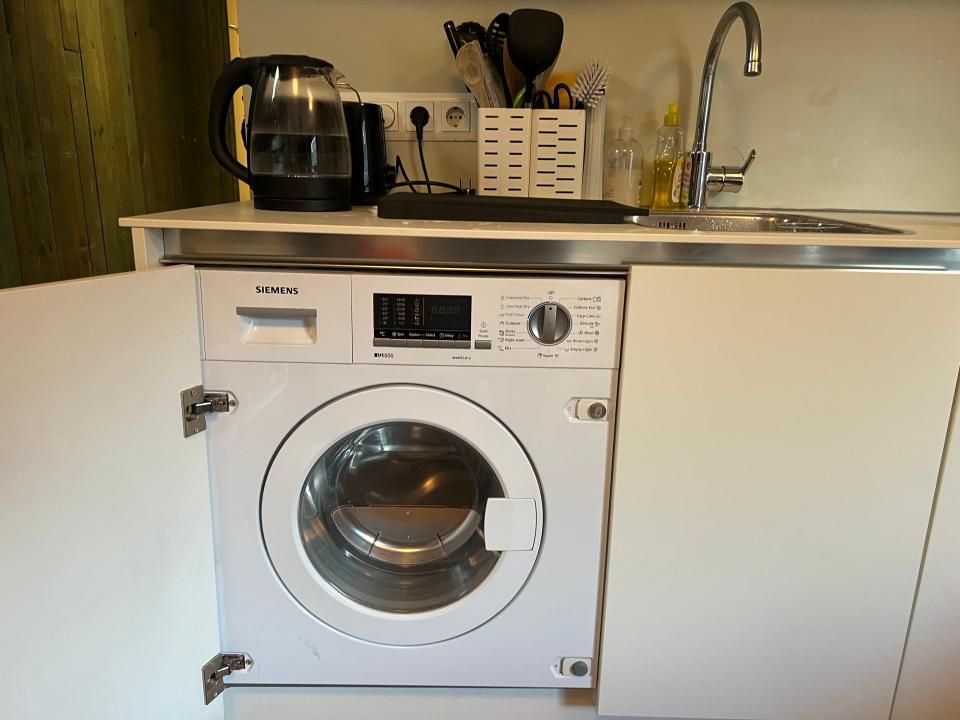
(929, 687)
(106, 558)
(778, 448)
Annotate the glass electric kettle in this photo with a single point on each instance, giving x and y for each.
(296, 133)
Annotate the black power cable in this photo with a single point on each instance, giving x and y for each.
(420, 116)
(423, 164)
(412, 184)
(403, 171)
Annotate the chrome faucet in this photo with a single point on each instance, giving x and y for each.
(724, 178)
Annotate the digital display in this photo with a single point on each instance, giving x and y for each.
(427, 317)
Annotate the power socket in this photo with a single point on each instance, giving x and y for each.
(407, 123)
(390, 119)
(453, 116)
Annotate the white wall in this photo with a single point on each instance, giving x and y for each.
(858, 105)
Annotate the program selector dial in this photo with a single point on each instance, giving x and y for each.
(549, 323)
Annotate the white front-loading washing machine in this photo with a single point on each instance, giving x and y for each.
(412, 486)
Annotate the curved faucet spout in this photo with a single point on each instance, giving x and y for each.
(702, 175)
(751, 66)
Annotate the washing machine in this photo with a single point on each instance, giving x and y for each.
(411, 485)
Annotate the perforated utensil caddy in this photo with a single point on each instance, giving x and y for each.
(530, 153)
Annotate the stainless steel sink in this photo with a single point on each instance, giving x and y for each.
(755, 221)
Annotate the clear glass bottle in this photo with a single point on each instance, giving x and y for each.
(623, 167)
(668, 162)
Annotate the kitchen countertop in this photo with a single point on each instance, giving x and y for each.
(239, 234)
(930, 231)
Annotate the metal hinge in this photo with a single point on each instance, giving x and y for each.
(221, 665)
(196, 403)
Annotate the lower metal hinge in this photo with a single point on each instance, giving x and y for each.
(195, 403)
(221, 665)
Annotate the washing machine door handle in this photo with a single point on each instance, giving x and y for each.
(510, 524)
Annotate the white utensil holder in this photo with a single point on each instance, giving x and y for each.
(503, 152)
(593, 150)
(530, 153)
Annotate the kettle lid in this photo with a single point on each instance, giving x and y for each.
(294, 60)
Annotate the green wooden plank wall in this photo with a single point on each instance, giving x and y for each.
(103, 107)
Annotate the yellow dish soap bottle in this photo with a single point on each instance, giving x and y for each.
(668, 162)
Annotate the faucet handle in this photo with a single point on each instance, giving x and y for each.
(729, 178)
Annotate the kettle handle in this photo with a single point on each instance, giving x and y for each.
(237, 73)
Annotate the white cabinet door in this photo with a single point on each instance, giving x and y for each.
(107, 591)
(778, 447)
(929, 687)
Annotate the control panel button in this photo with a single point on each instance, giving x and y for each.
(461, 344)
(447, 344)
(397, 342)
(482, 344)
(381, 342)
(411, 342)
(430, 343)
(549, 323)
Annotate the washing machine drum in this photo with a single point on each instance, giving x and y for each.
(418, 524)
(392, 514)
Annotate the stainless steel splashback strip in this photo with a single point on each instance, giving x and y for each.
(280, 249)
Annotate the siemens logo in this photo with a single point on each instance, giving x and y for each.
(277, 290)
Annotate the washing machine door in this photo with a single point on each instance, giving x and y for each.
(402, 514)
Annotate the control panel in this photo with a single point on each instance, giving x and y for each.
(504, 321)
(415, 319)
(421, 320)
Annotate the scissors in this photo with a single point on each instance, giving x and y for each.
(553, 103)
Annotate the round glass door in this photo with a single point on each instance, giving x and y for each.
(392, 516)
(375, 513)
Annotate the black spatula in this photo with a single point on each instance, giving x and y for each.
(533, 41)
(496, 37)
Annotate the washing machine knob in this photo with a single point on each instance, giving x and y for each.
(549, 323)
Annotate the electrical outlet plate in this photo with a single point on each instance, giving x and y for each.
(406, 124)
(453, 116)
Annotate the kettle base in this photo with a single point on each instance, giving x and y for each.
(301, 204)
(300, 194)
